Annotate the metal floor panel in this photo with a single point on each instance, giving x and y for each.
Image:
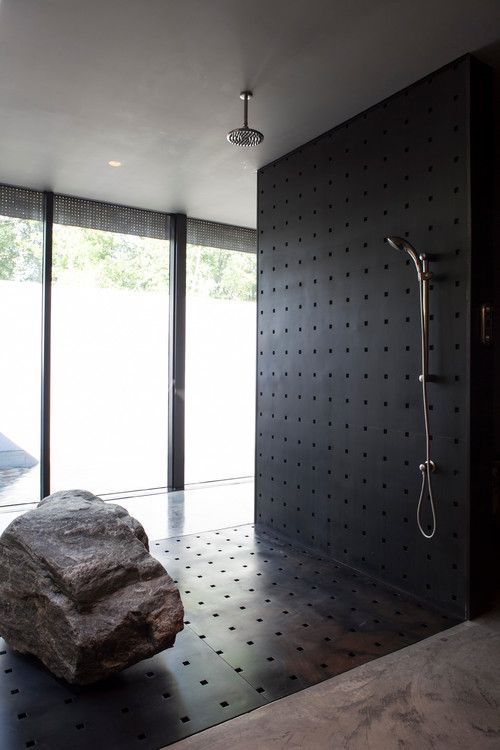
(263, 620)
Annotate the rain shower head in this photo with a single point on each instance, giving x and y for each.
(398, 243)
(245, 136)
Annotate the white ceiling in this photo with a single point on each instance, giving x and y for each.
(155, 85)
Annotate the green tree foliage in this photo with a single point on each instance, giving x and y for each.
(222, 274)
(20, 250)
(108, 260)
(120, 261)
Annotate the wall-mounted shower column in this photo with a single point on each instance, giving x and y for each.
(428, 467)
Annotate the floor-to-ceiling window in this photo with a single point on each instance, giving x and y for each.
(220, 352)
(113, 362)
(21, 242)
(109, 382)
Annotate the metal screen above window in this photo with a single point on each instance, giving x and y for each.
(21, 203)
(223, 236)
(110, 217)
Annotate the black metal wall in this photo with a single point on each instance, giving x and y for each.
(339, 411)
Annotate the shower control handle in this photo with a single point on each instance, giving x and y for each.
(486, 323)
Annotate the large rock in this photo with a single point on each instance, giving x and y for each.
(79, 589)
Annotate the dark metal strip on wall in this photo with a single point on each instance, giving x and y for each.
(339, 414)
(109, 217)
(483, 530)
(223, 236)
(177, 350)
(21, 203)
(48, 216)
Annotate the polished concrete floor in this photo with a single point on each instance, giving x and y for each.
(441, 694)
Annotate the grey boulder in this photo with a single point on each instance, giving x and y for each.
(79, 589)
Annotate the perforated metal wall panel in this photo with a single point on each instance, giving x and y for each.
(339, 412)
(224, 236)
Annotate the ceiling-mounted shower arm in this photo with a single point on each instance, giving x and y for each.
(245, 136)
(245, 95)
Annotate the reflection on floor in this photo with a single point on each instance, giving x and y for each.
(200, 508)
(263, 620)
(18, 485)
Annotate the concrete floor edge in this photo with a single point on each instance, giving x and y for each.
(440, 693)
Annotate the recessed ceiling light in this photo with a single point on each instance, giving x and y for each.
(114, 163)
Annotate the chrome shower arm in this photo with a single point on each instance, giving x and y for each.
(245, 96)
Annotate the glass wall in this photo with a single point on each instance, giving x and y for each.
(21, 242)
(109, 385)
(220, 362)
(110, 364)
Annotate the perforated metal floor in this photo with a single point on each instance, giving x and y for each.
(263, 620)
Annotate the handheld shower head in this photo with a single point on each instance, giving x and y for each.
(398, 243)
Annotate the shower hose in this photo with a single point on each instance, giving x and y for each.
(428, 467)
